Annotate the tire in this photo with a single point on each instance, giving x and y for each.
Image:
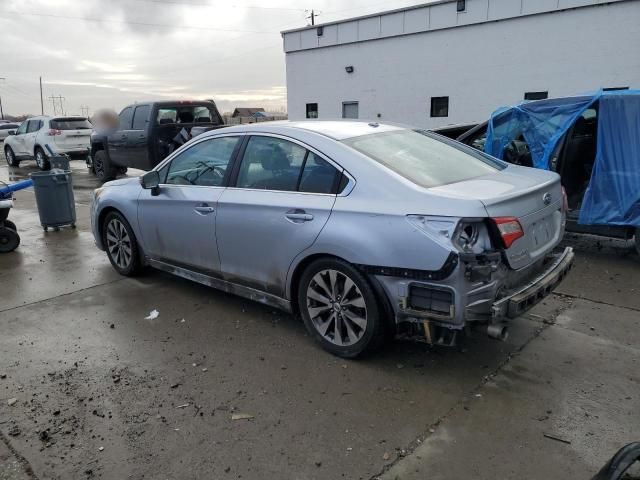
(11, 157)
(41, 159)
(121, 245)
(348, 319)
(637, 240)
(9, 240)
(102, 167)
(11, 225)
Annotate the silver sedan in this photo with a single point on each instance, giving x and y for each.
(366, 230)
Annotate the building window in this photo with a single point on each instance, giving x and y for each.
(349, 109)
(312, 110)
(461, 6)
(611, 89)
(439, 106)
(536, 95)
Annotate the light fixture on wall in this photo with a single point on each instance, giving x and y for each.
(348, 69)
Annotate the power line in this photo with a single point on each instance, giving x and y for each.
(55, 99)
(141, 24)
(207, 4)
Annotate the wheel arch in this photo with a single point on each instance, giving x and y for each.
(299, 268)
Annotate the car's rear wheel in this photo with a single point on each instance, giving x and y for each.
(11, 157)
(102, 166)
(340, 309)
(121, 244)
(41, 160)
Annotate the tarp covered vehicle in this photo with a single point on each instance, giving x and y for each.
(592, 141)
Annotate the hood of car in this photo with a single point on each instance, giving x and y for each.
(122, 181)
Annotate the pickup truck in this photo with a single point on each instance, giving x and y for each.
(146, 133)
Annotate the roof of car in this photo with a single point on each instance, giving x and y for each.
(336, 129)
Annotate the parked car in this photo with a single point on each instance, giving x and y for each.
(455, 130)
(146, 133)
(565, 137)
(6, 129)
(363, 229)
(39, 137)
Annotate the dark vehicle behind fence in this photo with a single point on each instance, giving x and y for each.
(146, 133)
(591, 141)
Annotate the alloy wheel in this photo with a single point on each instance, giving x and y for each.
(40, 159)
(336, 307)
(9, 154)
(119, 243)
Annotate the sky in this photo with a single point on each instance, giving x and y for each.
(110, 53)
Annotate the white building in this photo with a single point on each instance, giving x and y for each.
(451, 61)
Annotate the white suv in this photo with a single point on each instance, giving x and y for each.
(39, 137)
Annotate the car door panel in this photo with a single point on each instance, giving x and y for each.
(178, 225)
(260, 233)
(178, 221)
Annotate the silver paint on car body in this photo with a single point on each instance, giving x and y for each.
(253, 241)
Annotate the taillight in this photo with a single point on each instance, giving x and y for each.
(565, 201)
(54, 131)
(509, 228)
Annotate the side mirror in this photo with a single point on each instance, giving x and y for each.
(151, 181)
(12, 132)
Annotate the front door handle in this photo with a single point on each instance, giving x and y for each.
(203, 209)
(298, 216)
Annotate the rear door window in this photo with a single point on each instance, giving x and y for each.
(33, 126)
(126, 116)
(271, 163)
(318, 176)
(140, 117)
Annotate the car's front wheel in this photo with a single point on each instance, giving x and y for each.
(121, 244)
(11, 157)
(340, 309)
(41, 160)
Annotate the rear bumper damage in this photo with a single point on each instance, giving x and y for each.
(481, 290)
(521, 300)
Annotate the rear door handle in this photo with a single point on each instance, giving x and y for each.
(203, 209)
(299, 216)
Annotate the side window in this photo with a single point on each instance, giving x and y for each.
(33, 126)
(204, 164)
(318, 176)
(22, 128)
(140, 117)
(271, 163)
(126, 116)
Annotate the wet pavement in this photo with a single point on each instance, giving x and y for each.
(100, 392)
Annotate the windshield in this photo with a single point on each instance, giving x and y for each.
(424, 159)
(71, 124)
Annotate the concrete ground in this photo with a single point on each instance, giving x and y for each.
(101, 392)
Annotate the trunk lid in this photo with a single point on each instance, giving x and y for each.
(533, 196)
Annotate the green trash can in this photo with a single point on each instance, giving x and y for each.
(54, 198)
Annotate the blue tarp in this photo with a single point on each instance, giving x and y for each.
(613, 194)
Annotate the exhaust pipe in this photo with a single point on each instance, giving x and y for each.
(498, 331)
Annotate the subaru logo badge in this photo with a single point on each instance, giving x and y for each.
(546, 198)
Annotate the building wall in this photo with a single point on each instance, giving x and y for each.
(480, 66)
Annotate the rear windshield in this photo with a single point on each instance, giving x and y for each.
(423, 158)
(71, 124)
(186, 114)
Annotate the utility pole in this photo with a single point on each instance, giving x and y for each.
(85, 110)
(313, 17)
(59, 99)
(1, 111)
(41, 100)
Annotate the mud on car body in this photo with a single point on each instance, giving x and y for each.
(364, 229)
